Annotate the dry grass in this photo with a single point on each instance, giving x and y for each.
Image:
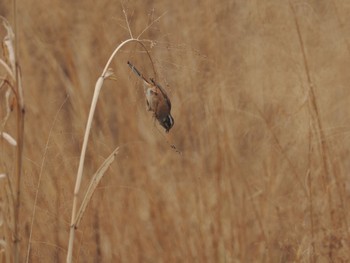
(260, 101)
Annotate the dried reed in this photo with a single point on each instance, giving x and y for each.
(106, 73)
(14, 83)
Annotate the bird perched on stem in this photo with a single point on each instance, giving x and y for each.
(157, 100)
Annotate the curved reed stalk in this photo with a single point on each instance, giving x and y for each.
(98, 86)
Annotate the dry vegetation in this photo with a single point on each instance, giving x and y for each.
(261, 105)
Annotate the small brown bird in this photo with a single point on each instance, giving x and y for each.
(157, 100)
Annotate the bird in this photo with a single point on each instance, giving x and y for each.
(157, 100)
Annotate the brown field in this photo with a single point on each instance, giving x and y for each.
(260, 97)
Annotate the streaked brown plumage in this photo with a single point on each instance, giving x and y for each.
(157, 100)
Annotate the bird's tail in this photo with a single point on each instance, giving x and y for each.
(134, 69)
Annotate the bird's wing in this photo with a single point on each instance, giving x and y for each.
(162, 90)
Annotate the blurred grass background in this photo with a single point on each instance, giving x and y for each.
(264, 170)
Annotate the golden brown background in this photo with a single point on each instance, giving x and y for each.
(263, 130)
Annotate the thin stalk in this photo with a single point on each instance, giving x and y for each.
(39, 180)
(311, 208)
(19, 156)
(98, 86)
(20, 140)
